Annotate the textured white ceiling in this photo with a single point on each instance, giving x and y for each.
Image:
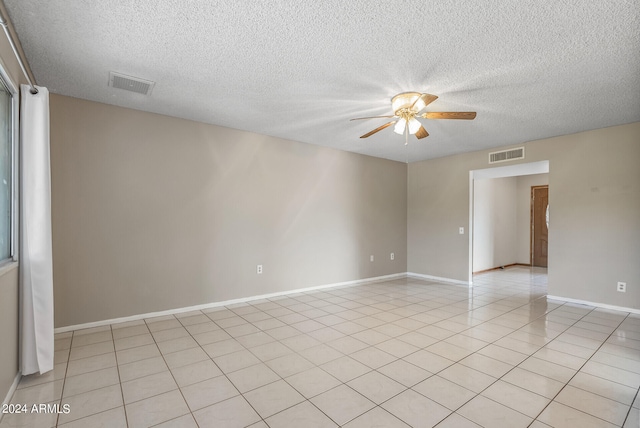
(300, 70)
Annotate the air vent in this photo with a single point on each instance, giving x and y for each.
(129, 83)
(506, 155)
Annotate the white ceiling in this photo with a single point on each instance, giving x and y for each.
(300, 70)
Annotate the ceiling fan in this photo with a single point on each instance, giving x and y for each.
(407, 107)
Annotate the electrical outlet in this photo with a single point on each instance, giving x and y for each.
(461, 230)
(622, 287)
(393, 256)
(371, 258)
(259, 269)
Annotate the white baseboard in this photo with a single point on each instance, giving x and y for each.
(227, 302)
(438, 279)
(596, 304)
(13, 388)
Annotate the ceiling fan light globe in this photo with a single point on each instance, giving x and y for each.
(414, 126)
(400, 125)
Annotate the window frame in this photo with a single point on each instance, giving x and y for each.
(8, 84)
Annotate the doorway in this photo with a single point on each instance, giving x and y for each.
(539, 225)
(523, 208)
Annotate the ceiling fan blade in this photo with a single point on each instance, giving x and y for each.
(468, 115)
(422, 133)
(370, 117)
(379, 128)
(426, 98)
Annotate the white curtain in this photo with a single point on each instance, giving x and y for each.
(36, 270)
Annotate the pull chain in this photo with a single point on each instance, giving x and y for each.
(406, 133)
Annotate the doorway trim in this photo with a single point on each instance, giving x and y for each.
(530, 168)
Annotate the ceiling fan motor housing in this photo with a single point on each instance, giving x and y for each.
(405, 101)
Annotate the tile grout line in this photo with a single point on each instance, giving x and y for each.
(115, 355)
(169, 370)
(341, 382)
(530, 355)
(64, 379)
(631, 407)
(578, 371)
(490, 343)
(155, 342)
(221, 371)
(401, 358)
(382, 294)
(282, 378)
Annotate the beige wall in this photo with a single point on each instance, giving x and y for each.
(153, 213)
(494, 222)
(437, 205)
(8, 327)
(594, 234)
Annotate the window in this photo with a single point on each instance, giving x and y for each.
(7, 181)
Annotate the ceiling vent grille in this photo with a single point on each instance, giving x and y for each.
(506, 155)
(129, 83)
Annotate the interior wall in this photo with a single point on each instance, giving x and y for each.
(594, 231)
(8, 328)
(494, 222)
(523, 228)
(438, 195)
(152, 213)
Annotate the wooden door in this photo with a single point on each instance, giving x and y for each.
(539, 231)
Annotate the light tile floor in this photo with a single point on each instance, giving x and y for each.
(400, 353)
